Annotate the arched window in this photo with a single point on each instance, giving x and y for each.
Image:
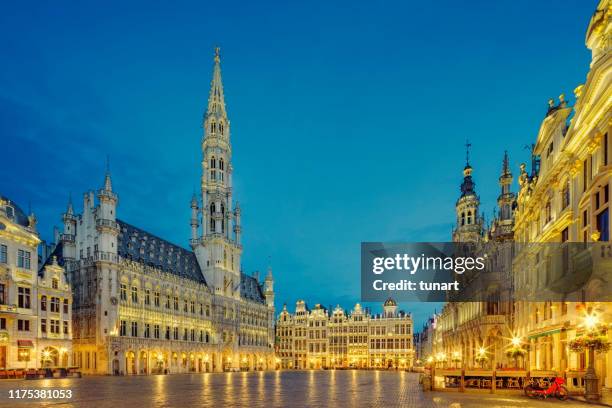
(221, 127)
(221, 168)
(213, 162)
(462, 218)
(469, 217)
(212, 127)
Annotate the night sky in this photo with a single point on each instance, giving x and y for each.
(348, 119)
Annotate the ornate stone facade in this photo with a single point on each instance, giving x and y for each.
(565, 198)
(35, 304)
(144, 305)
(317, 339)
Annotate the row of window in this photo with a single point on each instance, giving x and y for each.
(188, 306)
(24, 258)
(54, 326)
(54, 304)
(171, 333)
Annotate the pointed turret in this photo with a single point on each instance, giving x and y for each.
(216, 98)
(470, 224)
(194, 221)
(503, 223)
(269, 288)
(70, 208)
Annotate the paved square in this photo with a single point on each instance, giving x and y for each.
(261, 389)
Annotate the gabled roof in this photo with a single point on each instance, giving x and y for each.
(145, 248)
(250, 289)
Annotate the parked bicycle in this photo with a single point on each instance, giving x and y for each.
(555, 389)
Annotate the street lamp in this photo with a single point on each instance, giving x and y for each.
(591, 386)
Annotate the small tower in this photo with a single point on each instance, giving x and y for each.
(106, 224)
(237, 226)
(194, 221)
(469, 226)
(269, 288)
(503, 224)
(67, 239)
(390, 308)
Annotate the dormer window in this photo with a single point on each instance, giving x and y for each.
(10, 212)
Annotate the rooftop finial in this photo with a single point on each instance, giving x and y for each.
(506, 166)
(217, 55)
(108, 164)
(467, 151)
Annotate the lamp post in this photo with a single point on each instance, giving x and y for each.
(591, 382)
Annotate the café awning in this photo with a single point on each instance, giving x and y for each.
(25, 343)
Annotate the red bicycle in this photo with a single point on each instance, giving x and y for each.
(556, 389)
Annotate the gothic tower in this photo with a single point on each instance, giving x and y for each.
(469, 221)
(218, 250)
(503, 224)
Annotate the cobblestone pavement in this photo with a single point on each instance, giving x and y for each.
(261, 389)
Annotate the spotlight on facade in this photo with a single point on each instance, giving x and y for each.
(591, 321)
(516, 341)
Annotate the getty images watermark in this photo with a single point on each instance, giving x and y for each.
(446, 271)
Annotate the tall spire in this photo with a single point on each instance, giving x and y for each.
(506, 164)
(108, 185)
(467, 152)
(70, 209)
(216, 99)
(468, 186)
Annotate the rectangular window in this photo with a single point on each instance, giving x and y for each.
(2, 323)
(55, 305)
(603, 225)
(43, 325)
(23, 297)
(3, 254)
(123, 328)
(147, 296)
(167, 301)
(176, 303)
(65, 306)
(23, 259)
(147, 330)
(156, 299)
(167, 332)
(176, 336)
(23, 325)
(134, 329)
(606, 193)
(565, 196)
(565, 235)
(23, 354)
(156, 331)
(123, 293)
(54, 326)
(65, 327)
(134, 294)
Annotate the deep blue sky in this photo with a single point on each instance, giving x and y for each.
(348, 118)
